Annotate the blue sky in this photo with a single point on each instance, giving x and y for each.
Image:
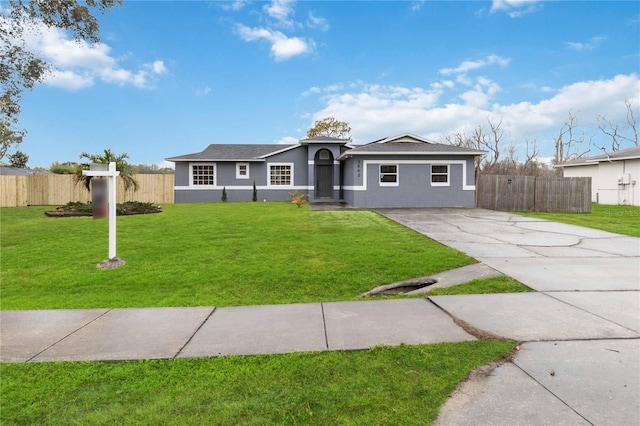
(170, 78)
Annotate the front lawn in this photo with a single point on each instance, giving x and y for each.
(403, 385)
(220, 254)
(619, 219)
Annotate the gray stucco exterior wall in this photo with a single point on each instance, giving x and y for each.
(414, 187)
(242, 189)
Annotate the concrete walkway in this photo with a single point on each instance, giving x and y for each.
(579, 363)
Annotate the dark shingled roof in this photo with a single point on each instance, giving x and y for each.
(324, 139)
(408, 143)
(613, 156)
(410, 148)
(233, 152)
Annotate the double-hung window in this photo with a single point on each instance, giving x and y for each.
(242, 171)
(203, 174)
(280, 174)
(439, 175)
(388, 175)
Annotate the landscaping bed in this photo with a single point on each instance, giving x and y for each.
(75, 209)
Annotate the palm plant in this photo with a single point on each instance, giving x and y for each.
(126, 170)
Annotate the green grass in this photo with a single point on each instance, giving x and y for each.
(619, 219)
(218, 254)
(500, 284)
(383, 386)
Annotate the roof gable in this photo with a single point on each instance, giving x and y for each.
(406, 138)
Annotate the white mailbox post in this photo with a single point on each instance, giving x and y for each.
(111, 173)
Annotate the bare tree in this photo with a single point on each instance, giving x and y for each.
(568, 145)
(612, 130)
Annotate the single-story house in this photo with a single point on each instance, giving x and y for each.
(615, 176)
(400, 171)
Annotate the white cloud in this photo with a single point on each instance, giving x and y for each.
(77, 64)
(69, 80)
(282, 47)
(474, 65)
(590, 45)
(417, 5)
(159, 68)
(375, 111)
(233, 5)
(280, 11)
(287, 140)
(319, 22)
(515, 8)
(204, 91)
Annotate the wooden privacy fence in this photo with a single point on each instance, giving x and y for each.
(56, 190)
(530, 193)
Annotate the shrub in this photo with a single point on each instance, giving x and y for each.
(298, 198)
(224, 194)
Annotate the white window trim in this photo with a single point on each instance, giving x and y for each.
(215, 175)
(269, 185)
(238, 175)
(447, 183)
(397, 182)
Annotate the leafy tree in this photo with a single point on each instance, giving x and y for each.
(67, 168)
(330, 127)
(152, 169)
(20, 68)
(125, 169)
(18, 159)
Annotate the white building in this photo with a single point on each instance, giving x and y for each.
(615, 177)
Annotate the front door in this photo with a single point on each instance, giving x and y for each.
(324, 181)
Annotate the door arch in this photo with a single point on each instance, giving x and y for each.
(324, 173)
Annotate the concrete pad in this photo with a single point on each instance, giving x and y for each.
(447, 237)
(598, 379)
(459, 276)
(24, 334)
(570, 274)
(361, 325)
(251, 330)
(127, 334)
(621, 307)
(538, 239)
(573, 251)
(485, 251)
(505, 396)
(564, 228)
(529, 316)
(621, 246)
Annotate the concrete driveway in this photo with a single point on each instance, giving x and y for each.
(580, 363)
(544, 255)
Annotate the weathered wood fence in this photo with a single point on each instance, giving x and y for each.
(530, 193)
(55, 190)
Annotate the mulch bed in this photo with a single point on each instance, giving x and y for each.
(66, 213)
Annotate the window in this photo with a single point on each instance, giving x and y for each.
(242, 171)
(203, 174)
(440, 175)
(388, 175)
(324, 155)
(280, 174)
